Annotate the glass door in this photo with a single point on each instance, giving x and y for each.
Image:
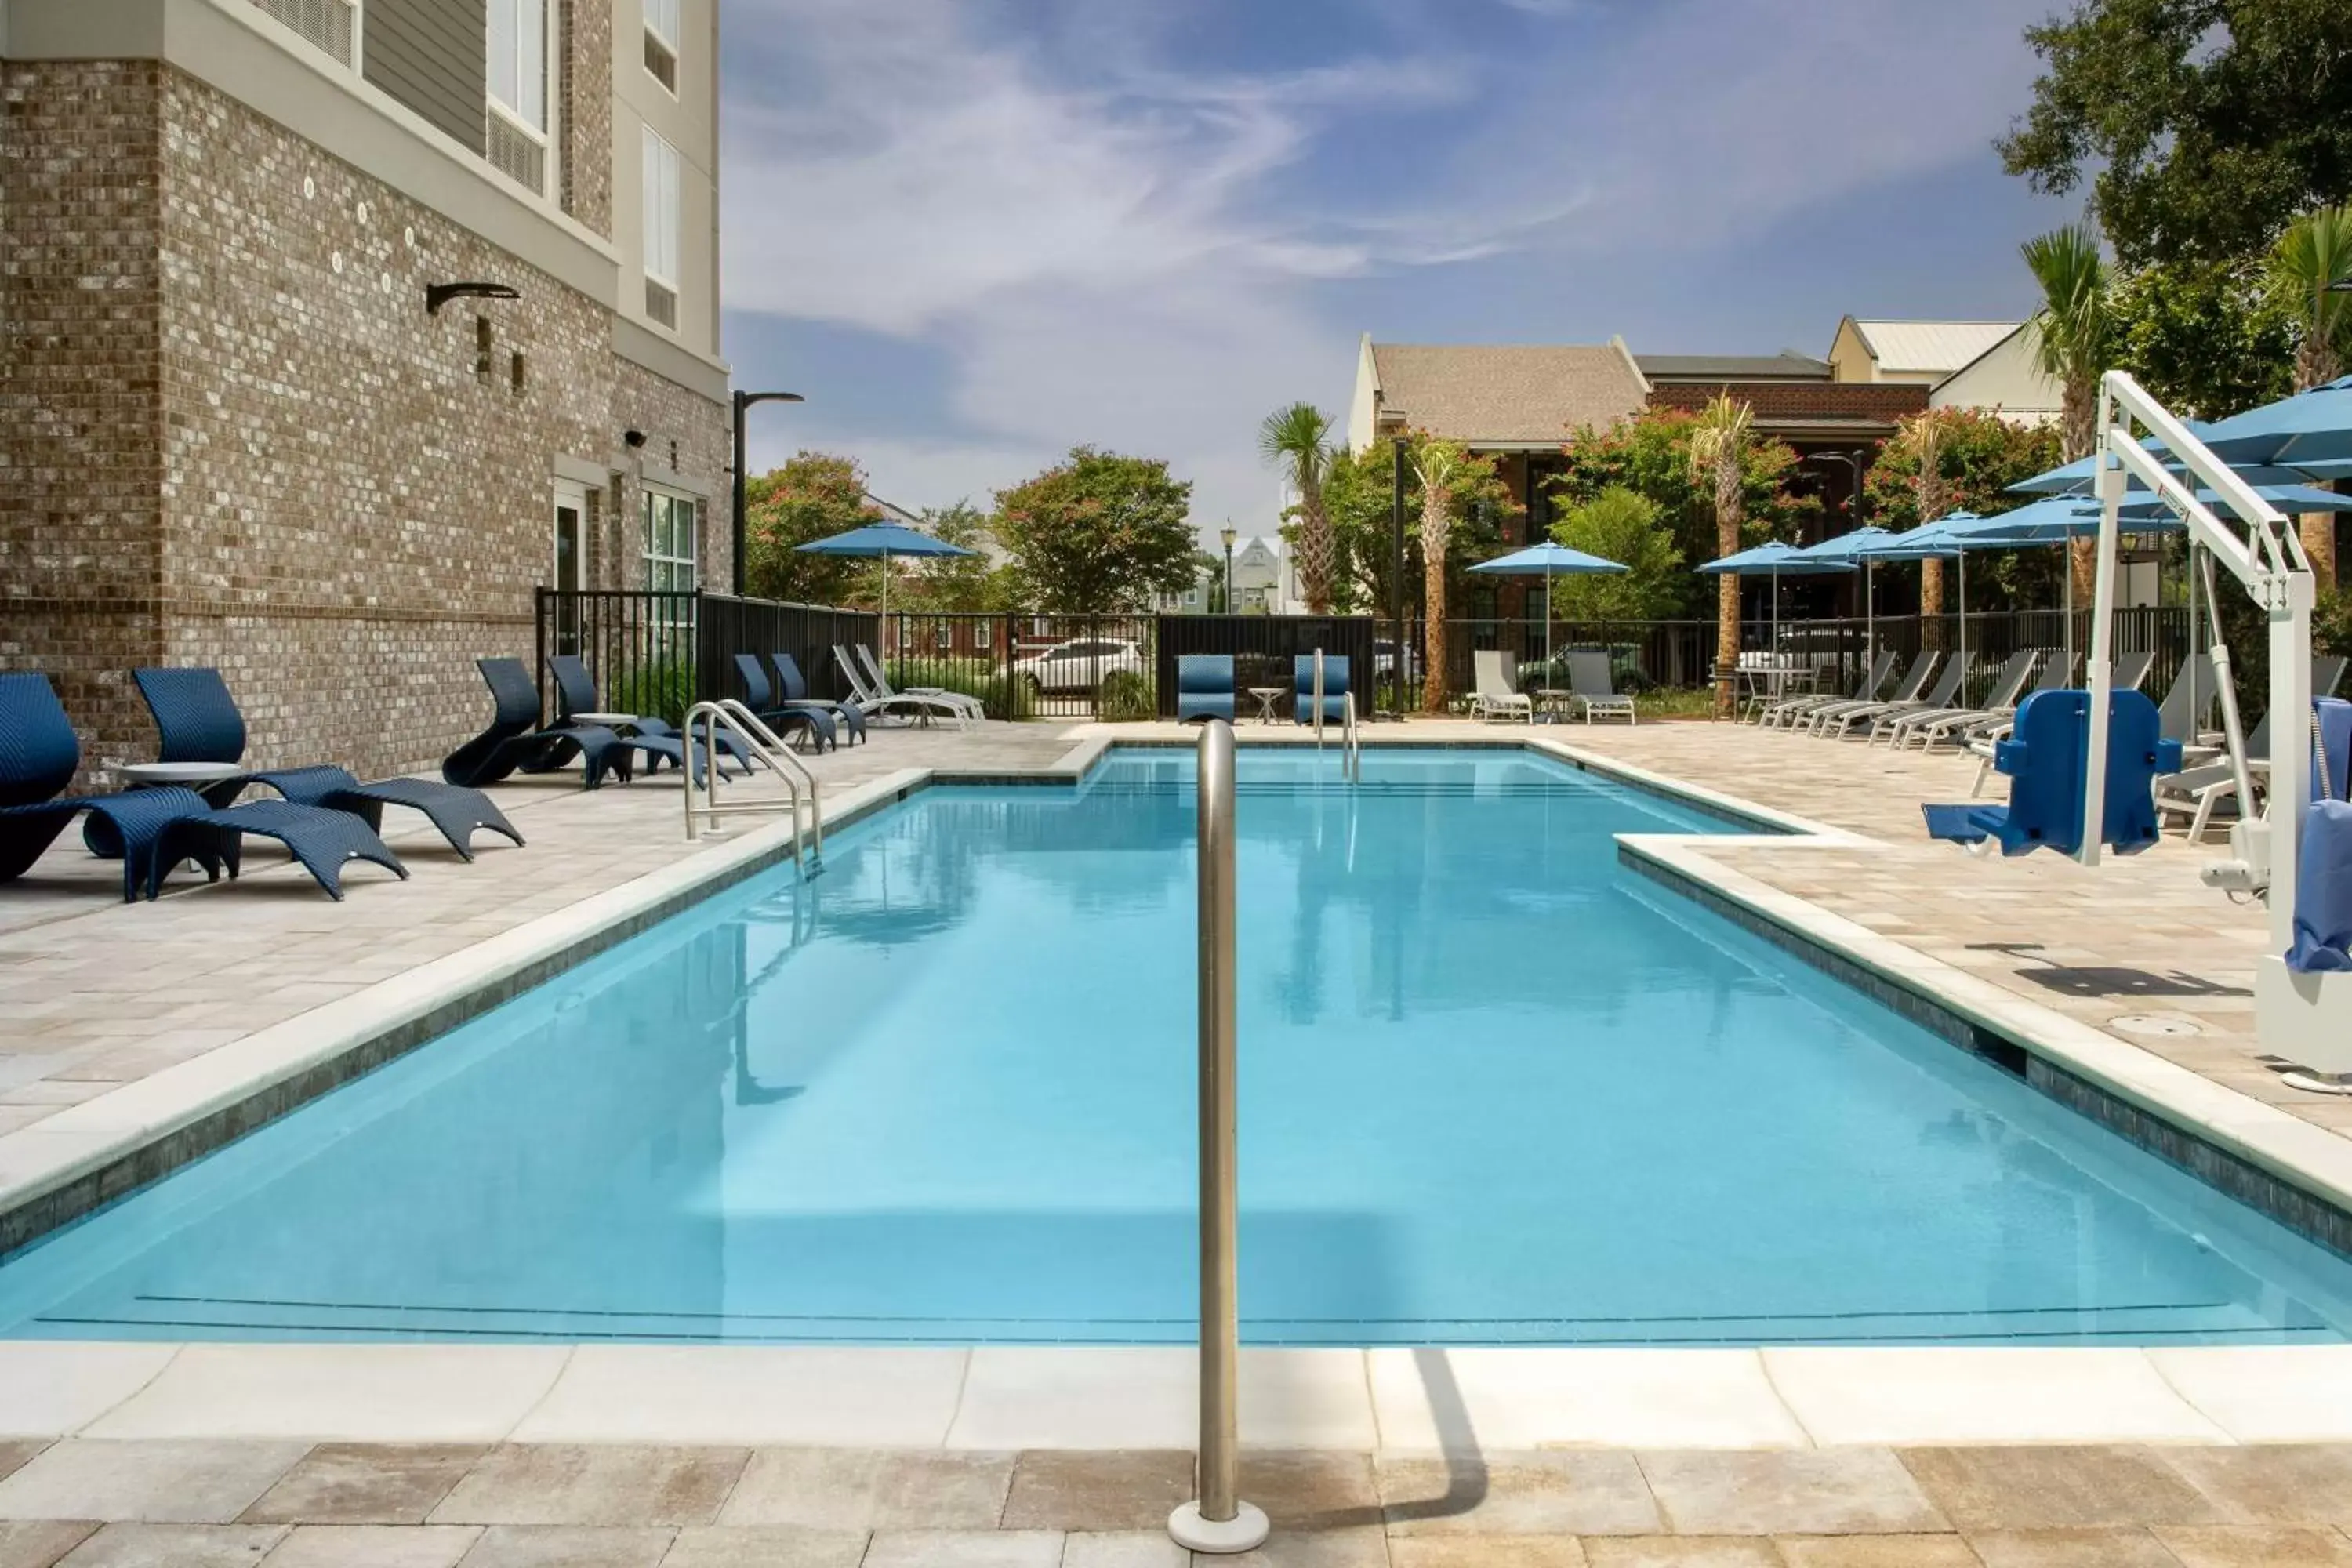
(571, 529)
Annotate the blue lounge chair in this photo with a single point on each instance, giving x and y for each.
(658, 738)
(2323, 884)
(793, 690)
(152, 829)
(197, 720)
(1335, 688)
(2044, 762)
(514, 742)
(1204, 686)
(786, 718)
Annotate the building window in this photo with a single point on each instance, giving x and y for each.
(670, 537)
(663, 227)
(331, 25)
(516, 119)
(661, 42)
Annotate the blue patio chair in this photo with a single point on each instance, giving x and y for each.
(1204, 686)
(515, 741)
(2044, 760)
(152, 829)
(1335, 688)
(197, 720)
(793, 689)
(788, 718)
(657, 738)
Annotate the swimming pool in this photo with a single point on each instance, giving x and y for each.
(1494, 1088)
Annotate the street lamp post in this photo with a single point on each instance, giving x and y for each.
(1227, 534)
(743, 400)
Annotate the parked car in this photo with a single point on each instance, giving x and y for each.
(1080, 664)
(1384, 660)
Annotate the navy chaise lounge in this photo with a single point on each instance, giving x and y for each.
(154, 829)
(515, 741)
(198, 720)
(813, 723)
(793, 691)
(658, 738)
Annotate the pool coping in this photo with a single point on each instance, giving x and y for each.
(94, 1153)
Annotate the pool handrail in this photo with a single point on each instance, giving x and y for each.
(728, 716)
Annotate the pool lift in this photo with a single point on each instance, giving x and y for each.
(2304, 1017)
(704, 722)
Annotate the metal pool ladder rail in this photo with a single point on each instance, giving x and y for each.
(704, 722)
(1351, 748)
(1219, 1521)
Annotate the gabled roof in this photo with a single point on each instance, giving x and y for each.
(1920, 346)
(1523, 395)
(1786, 365)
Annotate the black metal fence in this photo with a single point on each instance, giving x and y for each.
(661, 652)
(1028, 667)
(1264, 649)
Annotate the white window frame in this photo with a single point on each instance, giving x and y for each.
(513, 113)
(648, 495)
(657, 157)
(672, 44)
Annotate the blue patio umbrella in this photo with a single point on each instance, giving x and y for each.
(2080, 477)
(882, 540)
(1771, 560)
(1939, 540)
(1545, 561)
(1849, 548)
(2312, 427)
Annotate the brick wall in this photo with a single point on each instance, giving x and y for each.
(80, 399)
(1799, 400)
(586, 112)
(336, 508)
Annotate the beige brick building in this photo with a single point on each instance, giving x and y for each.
(231, 432)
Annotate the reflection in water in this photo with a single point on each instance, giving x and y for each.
(1494, 1090)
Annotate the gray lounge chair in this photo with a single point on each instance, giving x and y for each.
(1495, 686)
(1872, 715)
(1587, 676)
(1790, 712)
(2195, 792)
(1915, 681)
(877, 701)
(2000, 699)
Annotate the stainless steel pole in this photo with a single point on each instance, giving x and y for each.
(1219, 1522)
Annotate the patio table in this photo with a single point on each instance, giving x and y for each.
(1267, 698)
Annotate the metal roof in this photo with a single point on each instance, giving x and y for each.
(1938, 346)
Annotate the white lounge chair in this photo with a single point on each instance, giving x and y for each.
(1587, 676)
(2000, 700)
(872, 700)
(881, 684)
(2195, 792)
(1913, 681)
(1792, 712)
(1495, 686)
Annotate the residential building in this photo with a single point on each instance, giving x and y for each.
(268, 406)
(2006, 380)
(1918, 353)
(1264, 582)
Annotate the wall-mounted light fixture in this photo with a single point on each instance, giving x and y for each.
(440, 294)
(633, 439)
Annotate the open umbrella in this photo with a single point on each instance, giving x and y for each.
(1771, 560)
(1848, 548)
(884, 539)
(1935, 541)
(1545, 561)
(2314, 427)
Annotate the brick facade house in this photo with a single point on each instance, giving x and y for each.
(230, 431)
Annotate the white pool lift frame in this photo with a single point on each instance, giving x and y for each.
(2304, 1018)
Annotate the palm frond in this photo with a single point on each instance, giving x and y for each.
(2073, 332)
(1298, 437)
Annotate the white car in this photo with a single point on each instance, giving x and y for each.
(1080, 664)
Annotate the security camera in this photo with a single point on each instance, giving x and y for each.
(633, 438)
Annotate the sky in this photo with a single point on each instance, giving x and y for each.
(977, 233)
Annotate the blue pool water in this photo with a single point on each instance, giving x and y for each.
(1495, 1087)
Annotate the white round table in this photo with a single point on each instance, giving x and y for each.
(147, 775)
(609, 720)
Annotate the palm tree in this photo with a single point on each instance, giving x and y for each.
(1928, 489)
(1437, 464)
(2310, 261)
(1299, 438)
(1718, 452)
(2074, 336)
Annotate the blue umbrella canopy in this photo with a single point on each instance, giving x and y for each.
(1543, 559)
(1847, 547)
(1773, 560)
(1936, 541)
(882, 539)
(2312, 427)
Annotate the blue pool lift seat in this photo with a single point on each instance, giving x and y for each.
(2323, 886)
(197, 720)
(1335, 688)
(2044, 761)
(1204, 686)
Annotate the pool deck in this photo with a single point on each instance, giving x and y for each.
(128, 1023)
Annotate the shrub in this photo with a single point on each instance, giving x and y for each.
(1000, 696)
(661, 689)
(1126, 698)
(2331, 623)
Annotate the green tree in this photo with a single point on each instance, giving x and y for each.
(1358, 489)
(1629, 527)
(2072, 334)
(2210, 123)
(1299, 438)
(2308, 269)
(954, 584)
(1979, 456)
(1650, 454)
(815, 495)
(2208, 338)
(1098, 532)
